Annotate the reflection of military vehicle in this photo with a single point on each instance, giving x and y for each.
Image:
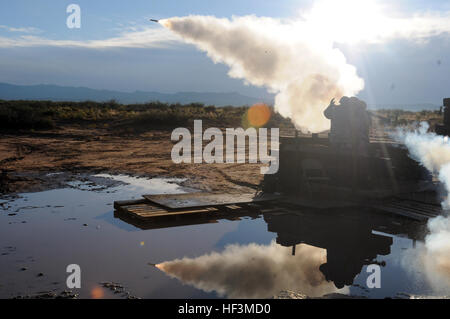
(445, 129)
(349, 241)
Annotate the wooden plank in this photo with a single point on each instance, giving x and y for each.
(423, 206)
(148, 211)
(416, 208)
(162, 213)
(405, 208)
(158, 223)
(146, 216)
(200, 200)
(118, 204)
(401, 212)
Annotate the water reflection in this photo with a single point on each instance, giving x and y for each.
(254, 271)
(315, 253)
(348, 240)
(44, 232)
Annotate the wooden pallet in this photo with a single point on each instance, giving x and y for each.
(203, 200)
(146, 210)
(408, 208)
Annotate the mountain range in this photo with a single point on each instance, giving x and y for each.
(66, 93)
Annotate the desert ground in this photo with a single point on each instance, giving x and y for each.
(27, 159)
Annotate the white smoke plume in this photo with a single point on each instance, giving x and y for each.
(297, 59)
(254, 271)
(306, 72)
(433, 152)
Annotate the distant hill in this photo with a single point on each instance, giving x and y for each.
(65, 93)
(407, 107)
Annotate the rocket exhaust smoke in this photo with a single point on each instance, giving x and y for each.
(297, 59)
(305, 71)
(254, 271)
(433, 152)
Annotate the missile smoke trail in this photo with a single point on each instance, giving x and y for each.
(254, 271)
(305, 72)
(297, 59)
(433, 152)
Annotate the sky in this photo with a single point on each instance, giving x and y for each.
(117, 48)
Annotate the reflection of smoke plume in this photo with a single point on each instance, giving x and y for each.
(438, 243)
(306, 72)
(431, 260)
(433, 152)
(254, 271)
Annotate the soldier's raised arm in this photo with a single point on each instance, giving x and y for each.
(330, 110)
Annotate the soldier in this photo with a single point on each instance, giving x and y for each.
(340, 133)
(350, 124)
(349, 135)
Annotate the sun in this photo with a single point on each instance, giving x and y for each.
(348, 21)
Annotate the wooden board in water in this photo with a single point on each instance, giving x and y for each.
(148, 211)
(407, 208)
(198, 200)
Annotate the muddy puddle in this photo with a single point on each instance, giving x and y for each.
(307, 252)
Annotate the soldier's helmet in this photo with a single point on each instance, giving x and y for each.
(345, 100)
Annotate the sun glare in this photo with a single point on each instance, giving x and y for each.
(347, 21)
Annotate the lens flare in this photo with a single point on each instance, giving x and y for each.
(97, 293)
(258, 115)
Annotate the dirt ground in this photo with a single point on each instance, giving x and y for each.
(26, 160)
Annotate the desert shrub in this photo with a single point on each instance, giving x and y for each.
(25, 115)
